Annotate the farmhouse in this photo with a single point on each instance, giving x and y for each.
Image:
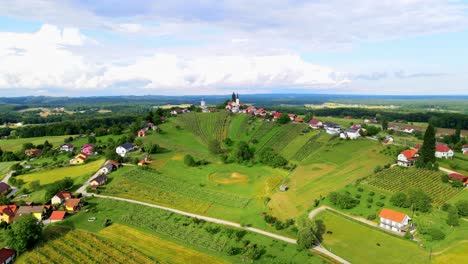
(7, 256)
(315, 123)
(458, 177)
(67, 147)
(98, 181)
(356, 127)
(87, 149)
(32, 152)
(292, 116)
(114, 163)
(443, 151)
(388, 140)
(4, 188)
(57, 216)
(125, 148)
(107, 168)
(72, 205)
(350, 133)
(393, 220)
(37, 211)
(260, 112)
(60, 197)
(298, 120)
(141, 133)
(331, 128)
(407, 158)
(79, 159)
(465, 149)
(7, 213)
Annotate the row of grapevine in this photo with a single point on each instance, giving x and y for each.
(282, 138)
(401, 180)
(308, 148)
(264, 128)
(206, 126)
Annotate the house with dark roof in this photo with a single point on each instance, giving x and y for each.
(331, 128)
(38, 211)
(107, 168)
(7, 256)
(394, 220)
(125, 148)
(4, 188)
(99, 180)
(67, 147)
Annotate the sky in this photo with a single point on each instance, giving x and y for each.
(141, 47)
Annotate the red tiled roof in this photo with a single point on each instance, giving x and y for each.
(63, 195)
(57, 215)
(115, 163)
(314, 121)
(6, 253)
(278, 114)
(8, 209)
(409, 153)
(72, 202)
(291, 115)
(441, 147)
(458, 176)
(392, 215)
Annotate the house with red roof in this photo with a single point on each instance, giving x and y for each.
(141, 133)
(465, 149)
(7, 256)
(276, 115)
(315, 123)
(60, 197)
(394, 220)
(459, 177)
(7, 213)
(57, 216)
(87, 149)
(407, 158)
(443, 151)
(260, 112)
(292, 116)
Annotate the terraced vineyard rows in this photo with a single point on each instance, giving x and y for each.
(263, 130)
(308, 148)
(83, 247)
(208, 127)
(401, 180)
(281, 139)
(171, 185)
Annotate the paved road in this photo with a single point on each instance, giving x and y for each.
(13, 188)
(318, 248)
(82, 189)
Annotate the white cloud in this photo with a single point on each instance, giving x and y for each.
(129, 27)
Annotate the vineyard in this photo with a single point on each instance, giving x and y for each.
(401, 180)
(207, 127)
(82, 247)
(264, 128)
(308, 148)
(282, 137)
(158, 182)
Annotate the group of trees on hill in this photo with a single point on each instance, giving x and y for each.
(416, 199)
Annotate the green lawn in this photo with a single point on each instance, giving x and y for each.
(2, 238)
(459, 163)
(358, 243)
(17, 144)
(5, 167)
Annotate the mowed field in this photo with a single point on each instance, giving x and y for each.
(5, 167)
(53, 175)
(327, 166)
(358, 243)
(17, 144)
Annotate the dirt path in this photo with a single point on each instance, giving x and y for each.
(314, 212)
(318, 248)
(448, 248)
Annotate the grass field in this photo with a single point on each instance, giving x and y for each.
(456, 254)
(459, 163)
(17, 144)
(53, 175)
(402, 179)
(5, 167)
(358, 243)
(207, 126)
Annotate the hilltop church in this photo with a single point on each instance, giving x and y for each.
(235, 104)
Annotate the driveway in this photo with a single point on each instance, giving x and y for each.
(13, 188)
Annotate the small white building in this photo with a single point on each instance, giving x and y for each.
(394, 221)
(123, 149)
(465, 149)
(407, 158)
(443, 151)
(315, 123)
(60, 197)
(350, 133)
(67, 147)
(331, 128)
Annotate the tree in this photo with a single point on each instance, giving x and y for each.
(189, 161)
(24, 233)
(427, 151)
(283, 119)
(444, 177)
(308, 116)
(456, 137)
(384, 124)
(306, 235)
(92, 140)
(233, 97)
(244, 152)
(462, 207)
(419, 200)
(452, 218)
(4, 200)
(372, 130)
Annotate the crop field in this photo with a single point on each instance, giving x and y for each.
(310, 146)
(264, 128)
(401, 180)
(239, 125)
(53, 175)
(282, 137)
(82, 247)
(17, 144)
(191, 191)
(357, 242)
(207, 126)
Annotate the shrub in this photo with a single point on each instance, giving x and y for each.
(369, 205)
(360, 189)
(399, 199)
(371, 217)
(358, 196)
(445, 207)
(382, 197)
(370, 200)
(379, 204)
(462, 207)
(444, 177)
(371, 193)
(408, 236)
(457, 184)
(436, 234)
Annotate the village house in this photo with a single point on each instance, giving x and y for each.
(150, 125)
(67, 147)
(7, 213)
(250, 109)
(125, 148)
(388, 140)
(350, 133)
(356, 127)
(32, 152)
(394, 221)
(331, 128)
(98, 181)
(141, 133)
(407, 158)
(79, 159)
(459, 177)
(465, 149)
(4, 188)
(7, 256)
(276, 115)
(57, 216)
(298, 120)
(315, 123)
(114, 163)
(108, 168)
(292, 116)
(60, 197)
(87, 149)
(38, 211)
(443, 151)
(72, 205)
(260, 112)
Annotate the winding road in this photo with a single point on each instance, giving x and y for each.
(13, 188)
